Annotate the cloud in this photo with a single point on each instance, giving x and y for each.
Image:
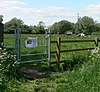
(50, 14)
(92, 9)
(11, 2)
(8, 6)
(16, 8)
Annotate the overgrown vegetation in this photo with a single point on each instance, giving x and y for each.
(9, 71)
(80, 74)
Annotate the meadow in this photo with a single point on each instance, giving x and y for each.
(80, 74)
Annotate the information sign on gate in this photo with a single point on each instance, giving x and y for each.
(31, 42)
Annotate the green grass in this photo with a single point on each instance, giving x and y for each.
(82, 73)
(84, 78)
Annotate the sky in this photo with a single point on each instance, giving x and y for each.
(49, 11)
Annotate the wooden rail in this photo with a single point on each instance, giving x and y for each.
(62, 51)
(58, 51)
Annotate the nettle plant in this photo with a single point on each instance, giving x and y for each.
(95, 53)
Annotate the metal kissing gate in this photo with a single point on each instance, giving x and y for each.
(30, 47)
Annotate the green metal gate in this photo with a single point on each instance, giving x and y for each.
(10, 41)
(34, 47)
(29, 47)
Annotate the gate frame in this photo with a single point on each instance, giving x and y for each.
(49, 47)
(18, 45)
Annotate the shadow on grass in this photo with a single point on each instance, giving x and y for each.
(32, 68)
(40, 69)
(75, 63)
(37, 70)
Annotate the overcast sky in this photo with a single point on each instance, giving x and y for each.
(49, 11)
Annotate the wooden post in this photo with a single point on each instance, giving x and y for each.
(58, 51)
(96, 41)
(1, 35)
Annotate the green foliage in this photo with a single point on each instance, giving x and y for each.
(18, 23)
(82, 73)
(41, 27)
(88, 24)
(85, 25)
(14, 22)
(27, 29)
(78, 26)
(1, 18)
(97, 27)
(62, 26)
(8, 71)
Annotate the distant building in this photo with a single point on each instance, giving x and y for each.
(68, 33)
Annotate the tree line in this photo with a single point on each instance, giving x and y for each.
(18, 23)
(85, 25)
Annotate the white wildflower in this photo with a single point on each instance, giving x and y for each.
(5, 53)
(95, 53)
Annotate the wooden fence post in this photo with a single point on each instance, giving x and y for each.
(58, 51)
(1, 35)
(96, 41)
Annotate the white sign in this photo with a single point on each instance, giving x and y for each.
(31, 42)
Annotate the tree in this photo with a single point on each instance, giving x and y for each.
(14, 22)
(25, 28)
(33, 29)
(78, 26)
(85, 25)
(62, 26)
(96, 29)
(97, 25)
(88, 24)
(54, 28)
(1, 18)
(41, 27)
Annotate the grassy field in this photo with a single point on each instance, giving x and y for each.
(82, 73)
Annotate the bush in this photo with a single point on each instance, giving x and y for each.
(9, 69)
